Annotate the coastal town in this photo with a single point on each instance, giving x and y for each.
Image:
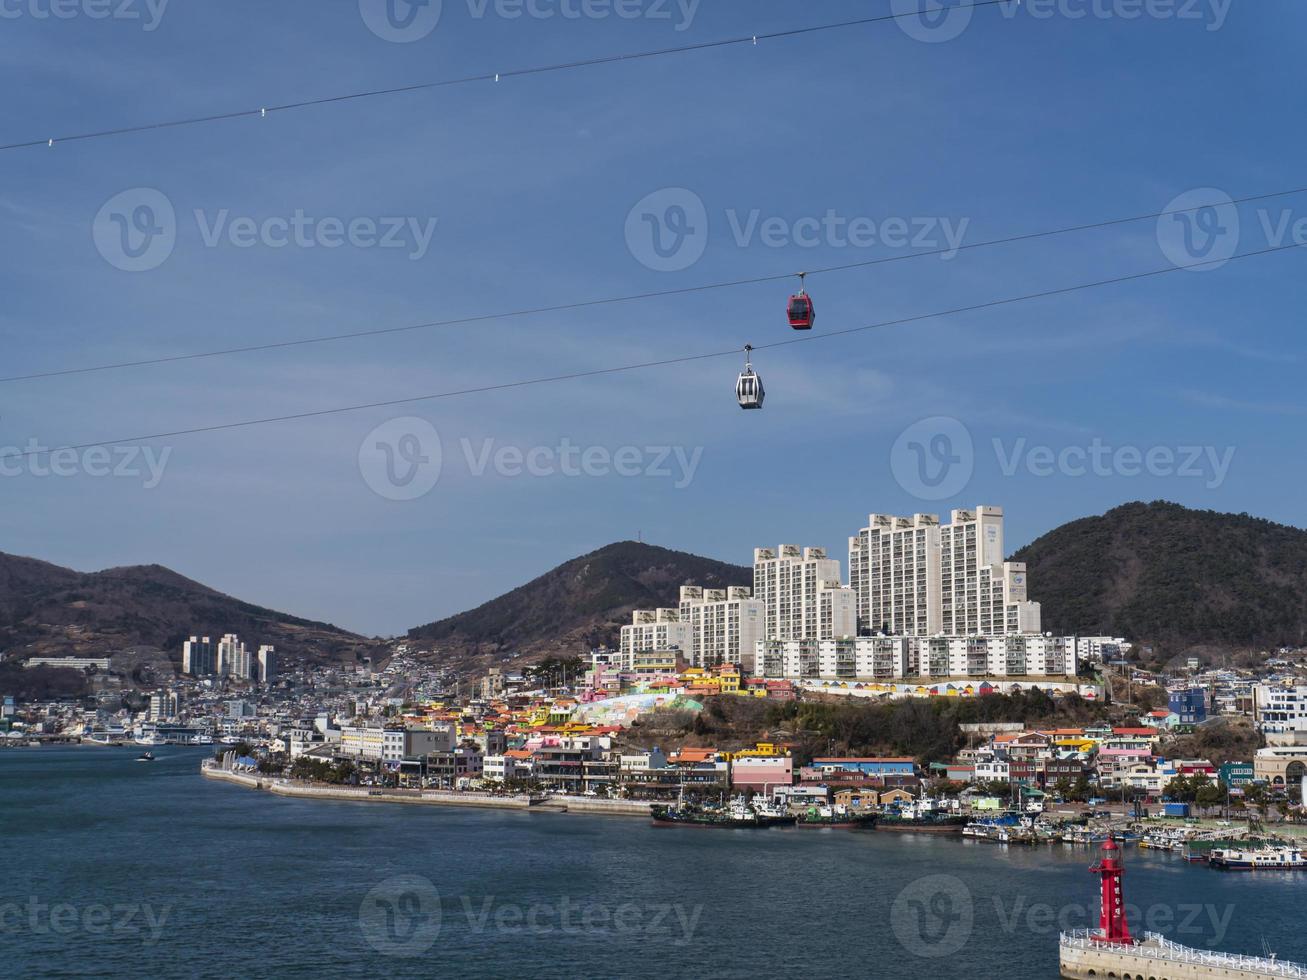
(778, 697)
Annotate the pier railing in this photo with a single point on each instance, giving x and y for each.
(1158, 947)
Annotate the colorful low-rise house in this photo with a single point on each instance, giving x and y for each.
(1160, 718)
(728, 678)
(1236, 774)
(761, 774)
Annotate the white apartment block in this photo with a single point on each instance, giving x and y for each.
(198, 657)
(233, 658)
(894, 571)
(725, 625)
(917, 658)
(915, 577)
(802, 593)
(1280, 710)
(654, 630)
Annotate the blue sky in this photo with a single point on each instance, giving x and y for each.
(1030, 119)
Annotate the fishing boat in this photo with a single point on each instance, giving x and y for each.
(1257, 859)
(738, 813)
(838, 817)
(922, 818)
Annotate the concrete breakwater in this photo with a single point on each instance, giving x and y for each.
(1083, 957)
(427, 797)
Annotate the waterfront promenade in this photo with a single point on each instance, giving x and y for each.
(426, 797)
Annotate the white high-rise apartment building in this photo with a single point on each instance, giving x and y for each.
(198, 657)
(268, 665)
(725, 625)
(894, 571)
(916, 577)
(981, 593)
(233, 658)
(801, 591)
(653, 630)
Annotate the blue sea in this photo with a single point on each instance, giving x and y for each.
(118, 868)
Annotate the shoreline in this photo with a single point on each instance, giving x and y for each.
(428, 797)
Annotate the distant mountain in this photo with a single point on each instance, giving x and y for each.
(1164, 573)
(46, 610)
(578, 605)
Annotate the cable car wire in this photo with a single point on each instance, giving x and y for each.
(263, 111)
(630, 298)
(643, 365)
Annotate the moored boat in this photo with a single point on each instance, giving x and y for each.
(737, 813)
(1257, 859)
(836, 817)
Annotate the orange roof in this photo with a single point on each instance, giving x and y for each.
(517, 754)
(695, 755)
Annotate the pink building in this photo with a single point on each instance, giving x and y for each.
(761, 774)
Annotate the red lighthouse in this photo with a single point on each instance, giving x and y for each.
(1113, 927)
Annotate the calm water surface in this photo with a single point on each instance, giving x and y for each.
(114, 868)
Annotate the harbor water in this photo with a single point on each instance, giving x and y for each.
(120, 868)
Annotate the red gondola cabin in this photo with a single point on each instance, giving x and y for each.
(801, 311)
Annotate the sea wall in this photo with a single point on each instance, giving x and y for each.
(1103, 963)
(428, 797)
